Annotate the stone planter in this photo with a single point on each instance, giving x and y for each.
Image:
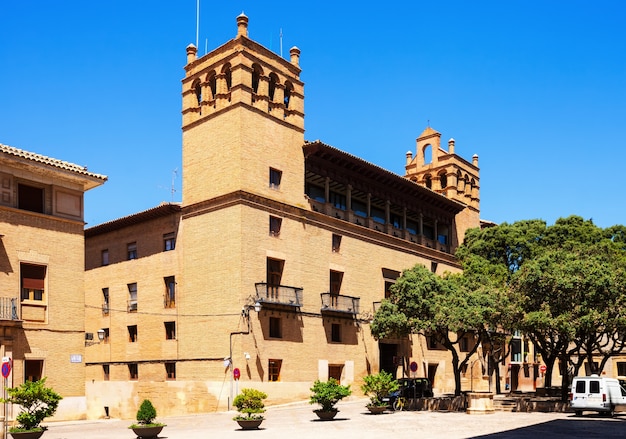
(148, 432)
(249, 424)
(326, 415)
(27, 434)
(480, 403)
(376, 409)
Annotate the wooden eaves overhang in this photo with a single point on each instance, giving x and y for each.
(164, 209)
(327, 161)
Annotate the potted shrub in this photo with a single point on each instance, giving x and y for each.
(250, 405)
(327, 394)
(37, 402)
(377, 387)
(145, 427)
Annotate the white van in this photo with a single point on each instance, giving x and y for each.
(597, 394)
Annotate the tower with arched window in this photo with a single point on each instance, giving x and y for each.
(448, 174)
(243, 113)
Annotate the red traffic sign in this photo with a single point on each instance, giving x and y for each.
(236, 373)
(543, 368)
(413, 366)
(6, 369)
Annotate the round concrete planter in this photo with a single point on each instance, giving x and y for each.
(326, 415)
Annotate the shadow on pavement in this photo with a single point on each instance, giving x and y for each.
(591, 426)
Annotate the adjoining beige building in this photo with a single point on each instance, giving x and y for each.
(273, 265)
(42, 305)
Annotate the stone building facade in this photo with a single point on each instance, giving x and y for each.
(282, 249)
(42, 324)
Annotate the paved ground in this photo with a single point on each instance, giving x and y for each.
(354, 421)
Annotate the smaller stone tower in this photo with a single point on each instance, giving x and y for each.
(448, 174)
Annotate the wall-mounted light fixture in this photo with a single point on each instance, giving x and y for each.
(89, 337)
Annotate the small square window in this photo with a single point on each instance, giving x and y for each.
(169, 241)
(275, 224)
(335, 333)
(336, 242)
(105, 257)
(106, 372)
(106, 335)
(132, 333)
(131, 250)
(275, 327)
(133, 371)
(275, 177)
(170, 330)
(273, 369)
(170, 371)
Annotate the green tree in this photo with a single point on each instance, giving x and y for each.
(445, 309)
(37, 402)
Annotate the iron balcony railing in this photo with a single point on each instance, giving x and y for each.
(339, 303)
(9, 309)
(278, 294)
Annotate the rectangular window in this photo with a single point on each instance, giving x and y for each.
(33, 370)
(273, 369)
(106, 335)
(335, 282)
(359, 208)
(621, 368)
(588, 370)
(389, 277)
(131, 250)
(336, 242)
(132, 297)
(170, 330)
(33, 279)
(464, 344)
(105, 301)
(132, 333)
(594, 386)
(275, 224)
(170, 292)
(104, 257)
(580, 386)
(169, 241)
(396, 220)
(378, 215)
(335, 332)
(275, 177)
(275, 327)
(133, 371)
(30, 198)
(433, 266)
(516, 350)
(106, 373)
(170, 371)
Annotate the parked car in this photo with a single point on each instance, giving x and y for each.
(410, 388)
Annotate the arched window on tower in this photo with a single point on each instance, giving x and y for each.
(197, 89)
(273, 82)
(288, 91)
(212, 81)
(427, 154)
(466, 186)
(228, 77)
(443, 180)
(459, 181)
(428, 182)
(256, 77)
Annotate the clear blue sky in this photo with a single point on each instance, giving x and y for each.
(536, 88)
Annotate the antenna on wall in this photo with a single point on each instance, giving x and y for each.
(281, 42)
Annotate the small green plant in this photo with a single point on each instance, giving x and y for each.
(328, 393)
(37, 403)
(250, 403)
(146, 415)
(378, 386)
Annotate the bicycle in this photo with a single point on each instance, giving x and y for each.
(399, 404)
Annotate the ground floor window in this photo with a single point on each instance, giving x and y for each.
(170, 371)
(334, 371)
(33, 370)
(133, 371)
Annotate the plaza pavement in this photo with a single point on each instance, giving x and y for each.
(354, 421)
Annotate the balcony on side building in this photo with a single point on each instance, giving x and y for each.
(278, 294)
(9, 309)
(340, 304)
